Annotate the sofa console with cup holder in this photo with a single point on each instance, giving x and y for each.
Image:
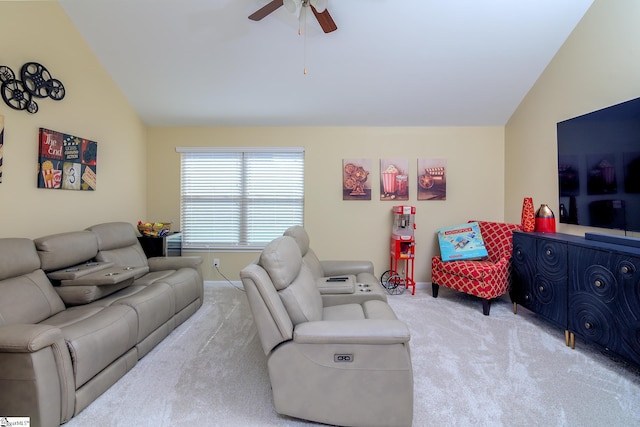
(78, 310)
(339, 281)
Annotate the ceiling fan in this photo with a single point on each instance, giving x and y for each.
(319, 8)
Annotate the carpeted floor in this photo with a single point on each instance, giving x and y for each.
(469, 370)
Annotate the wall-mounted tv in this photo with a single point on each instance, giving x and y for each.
(599, 168)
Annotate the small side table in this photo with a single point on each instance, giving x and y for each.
(169, 245)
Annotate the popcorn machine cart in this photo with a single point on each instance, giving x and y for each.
(400, 273)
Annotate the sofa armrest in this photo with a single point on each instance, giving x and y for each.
(340, 267)
(366, 331)
(174, 263)
(25, 338)
(36, 374)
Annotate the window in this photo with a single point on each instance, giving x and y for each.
(239, 198)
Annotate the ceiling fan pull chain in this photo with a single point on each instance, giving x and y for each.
(305, 45)
(303, 22)
(301, 16)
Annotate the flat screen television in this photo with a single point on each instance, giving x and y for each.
(599, 168)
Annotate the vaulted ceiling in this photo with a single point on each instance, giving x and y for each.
(389, 63)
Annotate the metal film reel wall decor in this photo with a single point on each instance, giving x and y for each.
(35, 82)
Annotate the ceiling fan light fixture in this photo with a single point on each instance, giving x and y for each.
(292, 5)
(319, 5)
(295, 6)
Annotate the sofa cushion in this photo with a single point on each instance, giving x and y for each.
(282, 260)
(28, 298)
(300, 235)
(27, 294)
(79, 295)
(296, 286)
(129, 256)
(186, 286)
(313, 263)
(154, 305)
(310, 259)
(96, 336)
(116, 296)
(17, 257)
(118, 243)
(302, 299)
(153, 277)
(475, 270)
(372, 309)
(343, 312)
(64, 249)
(113, 235)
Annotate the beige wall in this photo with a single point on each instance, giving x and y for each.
(131, 156)
(598, 66)
(350, 229)
(138, 168)
(93, 108)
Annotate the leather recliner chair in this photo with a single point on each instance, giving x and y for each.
(346, 364)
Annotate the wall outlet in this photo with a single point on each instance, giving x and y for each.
(216, 262)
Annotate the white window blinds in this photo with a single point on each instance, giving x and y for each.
(239, 198)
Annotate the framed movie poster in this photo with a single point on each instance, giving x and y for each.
(356, 184)
(394, 179)
(66, 162)
(432, 182)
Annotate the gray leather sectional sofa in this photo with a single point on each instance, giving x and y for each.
(340, 361)
(78, 310)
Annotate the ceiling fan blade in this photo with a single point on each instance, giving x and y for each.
(325, 20)
(266, 10)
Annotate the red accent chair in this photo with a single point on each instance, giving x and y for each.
(488, 278)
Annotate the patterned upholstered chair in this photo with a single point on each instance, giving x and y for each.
(488, 278)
